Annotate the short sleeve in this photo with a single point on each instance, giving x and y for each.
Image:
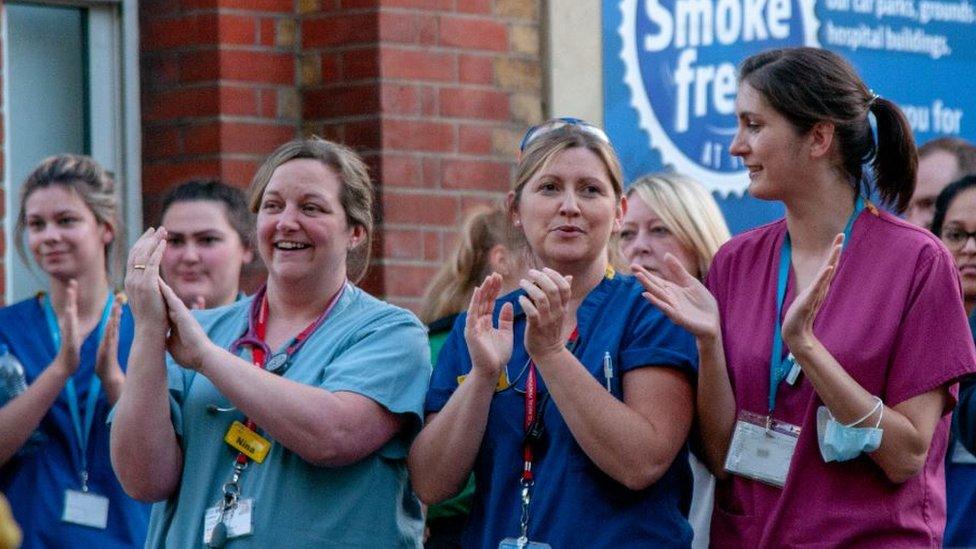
(651, 339)
(933, 346)
(452, 361)
(178, 383)
(388, 362)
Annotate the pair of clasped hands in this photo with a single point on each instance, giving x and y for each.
(107, 366)
(688, 303)
(155, 306)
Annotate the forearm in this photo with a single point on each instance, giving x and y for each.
(323, 428)
(444, 452)
(633, 449)
(905, 444)
(715, 404)
(113, 388)
(22, 415)
(145, 452)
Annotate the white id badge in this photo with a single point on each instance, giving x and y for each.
(515, 543)
(961, 455)
(85, 508)
(762, 452)
(237, 520)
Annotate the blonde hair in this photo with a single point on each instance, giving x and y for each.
(93, 184)
(542, 150)
(355, 195)
(687, 210)
(450, 291)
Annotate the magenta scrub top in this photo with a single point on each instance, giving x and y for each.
(894, 320)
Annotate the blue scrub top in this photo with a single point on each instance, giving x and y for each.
(35, 483)
(574, 503)
(961, 477)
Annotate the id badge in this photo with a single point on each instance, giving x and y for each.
(961, 455)
(85, 508)
(503, 382)
(762, 452)
(247, 441)
(516, 543)
(237, 520)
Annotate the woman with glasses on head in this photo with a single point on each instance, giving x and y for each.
(73, 343)
(668, 213)
(283, 419)
(570, 398)
(823, 410)
(208, 232)
(955, 222)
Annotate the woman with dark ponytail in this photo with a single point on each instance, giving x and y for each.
(831, 342)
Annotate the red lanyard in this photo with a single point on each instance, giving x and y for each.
(531, 413)
(259, 356)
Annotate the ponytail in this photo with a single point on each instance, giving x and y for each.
(896, 160)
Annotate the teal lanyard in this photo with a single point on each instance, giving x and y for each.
(71, 394)
(779, 367)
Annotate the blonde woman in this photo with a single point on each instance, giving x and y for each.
(570, 398)
(668, 213)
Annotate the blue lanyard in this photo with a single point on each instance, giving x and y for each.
(779, 367)
(71, 395)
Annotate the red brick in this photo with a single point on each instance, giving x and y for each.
(359, 64)
(469, 203)
(429, 101)
(432, 246)
(157, 176)
(330, 67)
(269, 104)
(237, 29)
(336, 30)
(474, 140)
(409, 280)
(474, 33)
(181, 103)
(416, 64)
(238, 101)
(468, 103)
(481, 175)
(402, 244)
(429, 30)
(474, 6)
(475, 69)
(431, 171)
(362, 135)
(159, 70)
(410, 135)
(202, 139)
(197, 66)
(399, 99)
(399, 27)
(401, 170)
(238, 172)
(179, 32)
(419, 209)
(261, 139)
(341, 101)
(250, 5)
(428, 4)
(268, 27)
(257, 66)
(357, 4)
(160, 142)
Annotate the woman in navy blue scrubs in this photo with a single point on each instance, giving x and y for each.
(570, 398)
(73, 344)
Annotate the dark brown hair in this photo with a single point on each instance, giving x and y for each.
(810, 85)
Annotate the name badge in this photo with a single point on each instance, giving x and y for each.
(522, 543)
(85, 508)
(502, 384)
(247, 441)
(236, 520)
(762, 451)
(961, 455)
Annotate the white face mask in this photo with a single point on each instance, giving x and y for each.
(839, 442)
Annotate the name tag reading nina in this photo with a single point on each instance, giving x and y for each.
(247, 441)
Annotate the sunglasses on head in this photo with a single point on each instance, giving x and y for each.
(537, 131)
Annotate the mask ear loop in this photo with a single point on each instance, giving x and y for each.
(877, 404)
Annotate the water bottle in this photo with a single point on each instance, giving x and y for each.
(12, 384)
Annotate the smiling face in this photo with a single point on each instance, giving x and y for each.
(960, 218)
(302, 230)
(62, 233)
(568, 210)
(768, 145)
(646, 240)
(204, 254)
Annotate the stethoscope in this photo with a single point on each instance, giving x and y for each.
(276, 363)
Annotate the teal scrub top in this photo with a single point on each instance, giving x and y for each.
(365, 346)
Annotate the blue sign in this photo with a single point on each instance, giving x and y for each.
(670, 75)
